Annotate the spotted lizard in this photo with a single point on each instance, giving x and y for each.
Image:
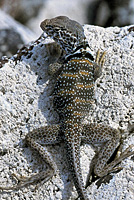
(73, 96)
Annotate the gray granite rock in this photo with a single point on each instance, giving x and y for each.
(26, 103)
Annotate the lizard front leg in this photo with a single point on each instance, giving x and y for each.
(43, 135)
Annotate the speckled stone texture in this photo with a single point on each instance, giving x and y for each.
(26, 103)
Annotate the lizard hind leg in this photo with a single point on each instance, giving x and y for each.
(46, 135)
(109, 140)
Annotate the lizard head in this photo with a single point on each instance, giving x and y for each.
(68, 33)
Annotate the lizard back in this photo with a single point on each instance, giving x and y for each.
(74, 88)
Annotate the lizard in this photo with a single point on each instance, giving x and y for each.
(73, 96)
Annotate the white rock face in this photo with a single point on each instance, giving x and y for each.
(26, 103)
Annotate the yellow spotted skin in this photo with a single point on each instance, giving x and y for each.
(74, 90)
(73, 98)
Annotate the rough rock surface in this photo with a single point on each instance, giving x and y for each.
(26, 103)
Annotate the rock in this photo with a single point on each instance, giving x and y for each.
(26, 103)
(13, 35)
(10, 42)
